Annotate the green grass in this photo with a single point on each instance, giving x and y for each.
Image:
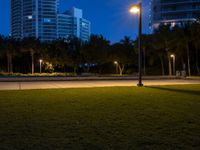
(120, 118)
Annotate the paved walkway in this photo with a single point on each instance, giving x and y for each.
(81, 78)
(87, 84)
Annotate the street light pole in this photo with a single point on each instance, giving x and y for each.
(174, 63)
(138, 9)
(116, 65)
(140, 46)
(40, 66)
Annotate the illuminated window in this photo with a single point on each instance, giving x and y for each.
(30, 17)
(47, 20)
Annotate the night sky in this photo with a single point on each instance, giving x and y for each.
(108, 17)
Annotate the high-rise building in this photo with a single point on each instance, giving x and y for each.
(34, 18)
(41, 19)
(16, 18)
(71, 23)
(174, 12)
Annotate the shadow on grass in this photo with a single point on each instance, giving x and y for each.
(197, 93)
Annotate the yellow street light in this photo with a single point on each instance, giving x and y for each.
(115, 62)
(172, 55)
(134, 9)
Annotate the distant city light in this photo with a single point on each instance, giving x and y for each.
(173, 24)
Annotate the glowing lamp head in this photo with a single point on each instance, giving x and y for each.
(40, 60)
(134, 9)
(172, 55)
(115, 62)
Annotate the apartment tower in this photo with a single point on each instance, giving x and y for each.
(174, 12)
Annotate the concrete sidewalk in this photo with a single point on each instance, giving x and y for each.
(81, 78)
(88, 84)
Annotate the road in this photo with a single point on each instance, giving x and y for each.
(87, 84)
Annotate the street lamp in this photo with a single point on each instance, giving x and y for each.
(40, 65)
(134, 9)
(137, 9)
(116, 63)
(174, 63)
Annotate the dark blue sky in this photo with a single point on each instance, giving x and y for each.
(108, 17)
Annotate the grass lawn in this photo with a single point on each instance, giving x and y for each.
(119, 118)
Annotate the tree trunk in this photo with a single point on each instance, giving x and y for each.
(75, 69)
(197, 61)
(188, 59)
(32, 62)
(121, 69)
(86, 69)
(170, 66)
(162, 65)
(183, 64)
(144, 55)
(9, 63)
(64, 68)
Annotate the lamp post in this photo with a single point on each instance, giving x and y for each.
(40, 65)
(116, 64)
(137, 9)
(174, 63)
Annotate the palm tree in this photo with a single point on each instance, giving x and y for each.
(123, 53)
(32, 46)
(74, 47)
(58, 53)
(1, 47)
(183, 40)
(162, 40)
(95, 51)
(195, 34)
(147, 47)
(9, 49)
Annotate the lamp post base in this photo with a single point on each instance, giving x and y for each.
(140, 85)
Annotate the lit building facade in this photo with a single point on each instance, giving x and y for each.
(174, 12)
(34, 18)
(16, 18)
(41, 19)
(72, 23)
